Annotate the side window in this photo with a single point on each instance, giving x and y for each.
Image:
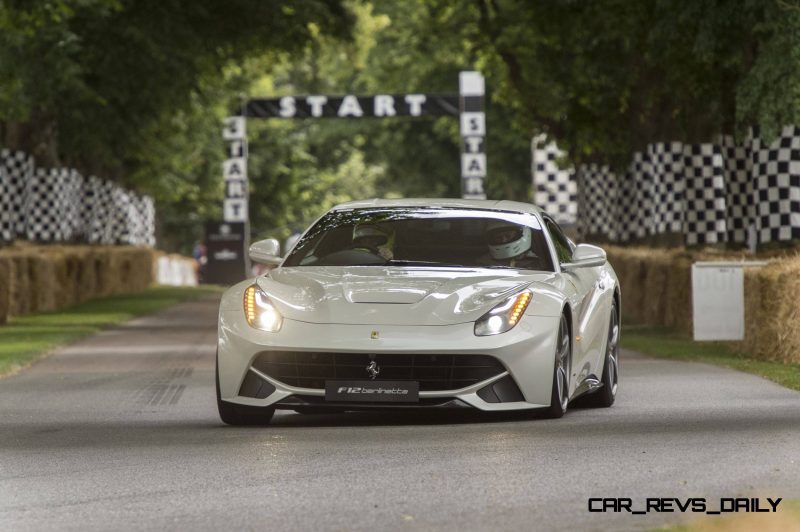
(560, 241)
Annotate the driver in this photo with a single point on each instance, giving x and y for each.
(510, 244)
(374, 239)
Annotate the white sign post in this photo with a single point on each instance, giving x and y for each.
(472, 123)
(234, 170)
(718, 299)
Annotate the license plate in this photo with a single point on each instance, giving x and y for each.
(372, 391)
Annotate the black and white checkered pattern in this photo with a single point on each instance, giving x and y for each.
(7, 226)
(59, 205)
(776, 187)
(640, 173)
(625, 215)
(555, 189)
(72, 224)
(738, 188)
(18, 171)
(53, 206)
(714, 193)
(666, 170)
(597, 196)
(146, 235)
(705, 211)
(98, 212)
(44, 208)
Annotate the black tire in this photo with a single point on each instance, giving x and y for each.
(241, 415)
(607, 394)
(559, 397)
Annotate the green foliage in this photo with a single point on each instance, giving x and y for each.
(604, 78)
(136, 90)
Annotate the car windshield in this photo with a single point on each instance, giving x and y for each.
(414, 236)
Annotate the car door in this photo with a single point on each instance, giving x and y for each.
(587, 335)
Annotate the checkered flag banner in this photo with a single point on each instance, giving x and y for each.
(597, 196)
(739, 198)
(16, 172)
(668, 187)
(555, 189)
(705, 213)
(775, 176)
(60, 205)
(714, 193)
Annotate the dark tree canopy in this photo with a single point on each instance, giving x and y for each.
(135, 90)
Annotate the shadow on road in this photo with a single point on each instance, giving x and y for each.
(129, 433)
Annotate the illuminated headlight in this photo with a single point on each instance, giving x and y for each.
(504, 316)
(259, 310)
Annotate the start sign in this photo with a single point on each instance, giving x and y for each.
(351, 106)
(467, 105)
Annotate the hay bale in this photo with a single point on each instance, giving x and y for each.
(678, 297)
(631, 270)
(772, 312)
(35, 278)
(102, 271)
(57, 256)
(656, 288)
(42, 286)
(5, 288)
(85, 277)
(19, 300)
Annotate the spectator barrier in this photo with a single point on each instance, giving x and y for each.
(713, 193)
(58, 205)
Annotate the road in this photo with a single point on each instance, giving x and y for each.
(120, 431)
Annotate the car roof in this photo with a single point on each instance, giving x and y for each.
(447, 203)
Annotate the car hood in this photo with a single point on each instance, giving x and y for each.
(391, 295)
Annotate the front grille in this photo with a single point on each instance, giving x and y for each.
(433, 372)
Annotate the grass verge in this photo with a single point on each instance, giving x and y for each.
(668, 344)
(25, 338)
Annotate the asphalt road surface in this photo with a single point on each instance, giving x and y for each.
(120, 431)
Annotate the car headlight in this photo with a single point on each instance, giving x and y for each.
(504, 316)
(259, 310)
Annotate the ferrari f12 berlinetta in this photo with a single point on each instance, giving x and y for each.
(421, 304)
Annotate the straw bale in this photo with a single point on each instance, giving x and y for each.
(5, 288)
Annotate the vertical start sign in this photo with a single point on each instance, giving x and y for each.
(234, 170)
(227, 241)
(472, 119)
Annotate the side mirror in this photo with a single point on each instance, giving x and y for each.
(266, 251)
(585, 256)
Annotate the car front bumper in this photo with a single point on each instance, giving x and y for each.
(526, 352)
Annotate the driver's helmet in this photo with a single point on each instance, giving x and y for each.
(507, 240)
(369, 236)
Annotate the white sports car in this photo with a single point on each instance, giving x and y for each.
(421, 304)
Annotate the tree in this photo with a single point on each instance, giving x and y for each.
(605, 78)
(121, 66)
(135, 91)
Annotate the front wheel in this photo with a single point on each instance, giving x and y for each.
(559, 397)
(605, 396)
(241, 415)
